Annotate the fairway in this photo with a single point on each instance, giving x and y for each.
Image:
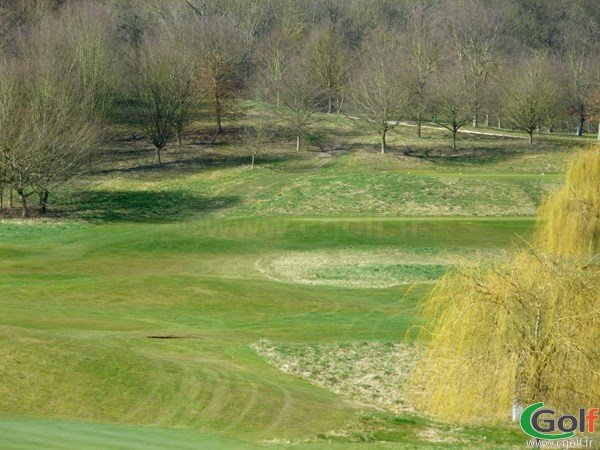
(153, 324)
(62, 435)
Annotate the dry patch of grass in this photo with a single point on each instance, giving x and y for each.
(357, 268)
(372, 374)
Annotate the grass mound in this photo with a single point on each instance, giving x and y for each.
(403, 194)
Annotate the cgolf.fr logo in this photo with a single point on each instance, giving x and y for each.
(539, 422)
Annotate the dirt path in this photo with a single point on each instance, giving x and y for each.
(429, 127)
(481, 133)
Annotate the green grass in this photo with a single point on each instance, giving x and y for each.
(381, 431)
(79, 305)
(133, 318)
(403, 194)
(67, 435)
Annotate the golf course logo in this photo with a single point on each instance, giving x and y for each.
(545, 427)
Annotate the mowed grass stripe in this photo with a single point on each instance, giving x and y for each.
(69, 435)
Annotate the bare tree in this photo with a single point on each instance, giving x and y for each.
(252, 18)
(451, 103)
(355, 19)
(9, 23)
(164, 83)
(300, 100)
(47, 137)
(532, 97)
(88, 34)
(580, 44)
(294, 16)
(379, 91)
(329, 64)
(186, 92)
(475, 28)
(257, 135)
(422, 56)
(134, 20)
(10, 136)
(275, 55)
(26, 13)
(64, 137)
(221, 55)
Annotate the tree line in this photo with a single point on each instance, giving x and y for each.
(67, 67)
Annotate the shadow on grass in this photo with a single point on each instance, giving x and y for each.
(186, 160)
(143, 206)
(465, 155)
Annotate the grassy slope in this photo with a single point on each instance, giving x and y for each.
(173, 252)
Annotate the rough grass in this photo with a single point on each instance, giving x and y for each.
(362, 268)
(373, 374)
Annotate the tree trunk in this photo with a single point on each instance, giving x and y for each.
(339, 102)
(499, 124)
(383, 143)
(43, 194)
(219, 127)
(10, 197)
(297, 142)
(252, 166)
(158, 161)
(476, 117)
(23, 198)
(218, 113)
(530, 136)
(419, 120)
(454, 132)
(179, 137)
(487, 119)
(580, 126)
(330, 106)
(599, 131)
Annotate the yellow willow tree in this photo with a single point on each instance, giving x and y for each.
(526, 329)
(569, 221)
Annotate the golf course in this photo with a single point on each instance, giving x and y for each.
(206, 304)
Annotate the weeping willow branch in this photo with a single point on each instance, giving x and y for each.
(524, 330)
